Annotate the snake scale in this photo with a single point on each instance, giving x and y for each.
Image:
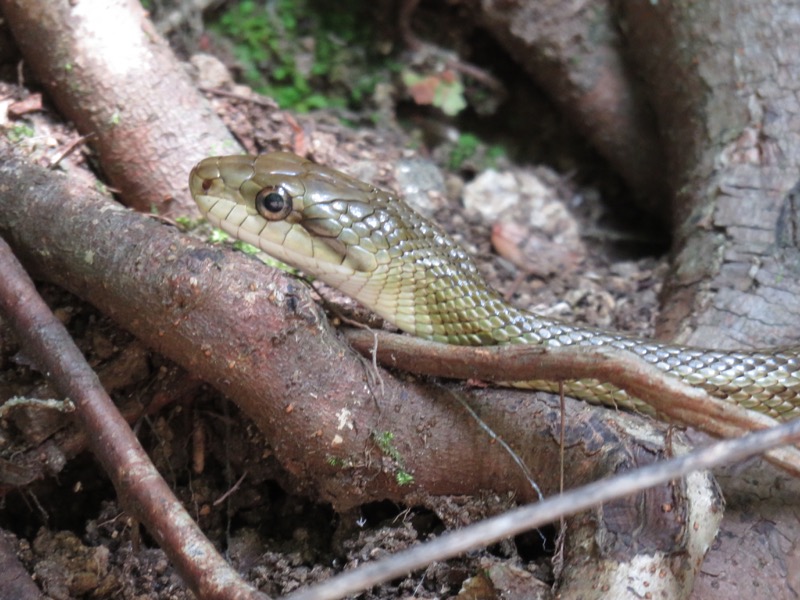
(373, 247)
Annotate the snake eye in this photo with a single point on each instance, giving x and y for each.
(273, 203)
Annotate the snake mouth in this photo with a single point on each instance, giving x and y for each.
(197, 188)
(205, 204)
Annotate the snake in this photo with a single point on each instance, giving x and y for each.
(372, 246)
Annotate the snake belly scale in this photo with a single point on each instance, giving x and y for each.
(372, 246)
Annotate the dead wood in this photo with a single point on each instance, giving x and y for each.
(52, 443)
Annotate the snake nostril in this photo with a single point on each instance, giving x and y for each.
(206, 184)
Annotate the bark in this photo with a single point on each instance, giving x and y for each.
(723, 78)
(14, 579)
(112, 75)
(175, 293)
(723, 81)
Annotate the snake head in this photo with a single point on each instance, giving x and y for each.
(364, 241)
(314, 218)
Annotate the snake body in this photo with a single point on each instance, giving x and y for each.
(372, 246)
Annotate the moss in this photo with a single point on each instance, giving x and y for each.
(18, 132)
(186, 223)
(404, 478)
(385, 441)
(470, 148)
(245, 247)
(217, 236)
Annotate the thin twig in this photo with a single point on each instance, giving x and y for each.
(252, 99)
(491, 433)
(233, 488)
(69, 149)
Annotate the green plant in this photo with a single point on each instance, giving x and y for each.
(290, 50)
(464, 148)
(443, 90)
(385, 441)
(217, 236)
(404, 478)
(245, 247)
(19, 132)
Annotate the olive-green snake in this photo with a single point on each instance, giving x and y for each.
(372, 246)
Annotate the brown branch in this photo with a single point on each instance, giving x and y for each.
(672, 399)
(111, 74)
(176, 294)
(253, 333)
(139, 486)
